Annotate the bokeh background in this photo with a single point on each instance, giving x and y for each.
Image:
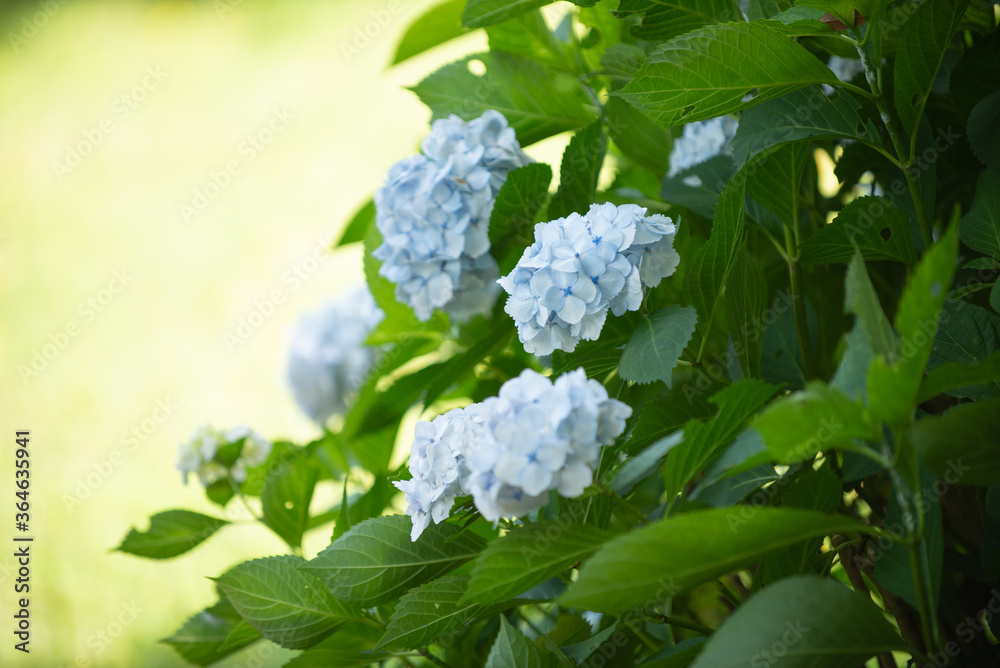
(120, 308)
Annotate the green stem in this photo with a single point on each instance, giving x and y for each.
(238, 492)
(798, 306)
(680, 623)
(904, 156)
(922, 580)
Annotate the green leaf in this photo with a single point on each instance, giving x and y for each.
(922, 44)
(874, 225)
(665, 414)
(709, 269)
(664, 559)
(368, 505)
(704, 441)
(357, 227)
(512, 650)
(982, 125)
(851, 376)
(860, 299)
(204, 638)
(845, 630)
(518, 202)
(805, 114)
(428, 612)
(637, 136)
(480, 13)
(774, 177)
(666, 19)
(746, 300)
(288, 491)
(952, 376)
(842, 10)
(676, 656)
(962, 443)
(657, 343)
(980, 228)
(440, 24)
(644, 464)
(528, 556)
(375, 562)
(722, 69)
(285, 604)
(968, 334)
(893, 387)
(578, 172)
(817, 418)
(350, 646)
(528, 35)
(698, 188)
(537, 102)
(242, 635)
(171, 533)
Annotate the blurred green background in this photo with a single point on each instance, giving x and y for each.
(116, 305)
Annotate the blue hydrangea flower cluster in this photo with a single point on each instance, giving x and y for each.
(434, 213)
(702, 140)
(509, 451)
(327, 356)
(582, 266)
(197, 454)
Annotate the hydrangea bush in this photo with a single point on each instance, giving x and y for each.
(728, 412)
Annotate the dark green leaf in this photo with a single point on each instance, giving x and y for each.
(578, 172)
(961, 446)
(968, 334)
(428, 612)
(440, 24)
(846, 630)
(953, 376)
(512, 650)
(860, 299)
(350, 646)
(202, 638)
(644, 464)
(874, 225)
(375, 562)
(676, 656)
(980, 228)
(983, 137)
(721, 69)
(746, 299)
(537, 102)
(698, 188)
(171, 533)
(660, 561)
(656, 345)
(665, 19)
(284, 603)
(638, 137)
(922, 44)
(774, 177)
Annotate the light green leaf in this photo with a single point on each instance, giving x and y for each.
(242, 635)
(203, 639)
(441, 23)
(512, 650)
(968, 334)
(578, 172)
(746, 299)
(428, 612)
(656, 345)
(480, 13)
(375, 562)
(676, 656)
(874, 225)
(350, 646)
(922, 44)
(665, 19)
(288, 491)
(357, 226)
(893, 387)
(704, 441)
(845, 630)
(171, 533)
(537, 102)
(805, 114)
(962, 445)
(285, 604)
(842, 10)
(529, 555)
(980, 228)
(952, 376)
(644, 464)
(817, 418)
(709, 269)
(861, 300)
(664, 559)
(721, 69)
(528, 35)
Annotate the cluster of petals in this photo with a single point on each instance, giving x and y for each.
(327, 356)
(509, 451)
(582, 266)
(434, 213)
(197, 454)
(701, 141)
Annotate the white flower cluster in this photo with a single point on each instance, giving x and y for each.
(702, 140)
(434, 213)
(579, 267)
(327, 355)
(509, 451)
(197, 455)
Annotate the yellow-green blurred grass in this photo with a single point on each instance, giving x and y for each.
(161, 338)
